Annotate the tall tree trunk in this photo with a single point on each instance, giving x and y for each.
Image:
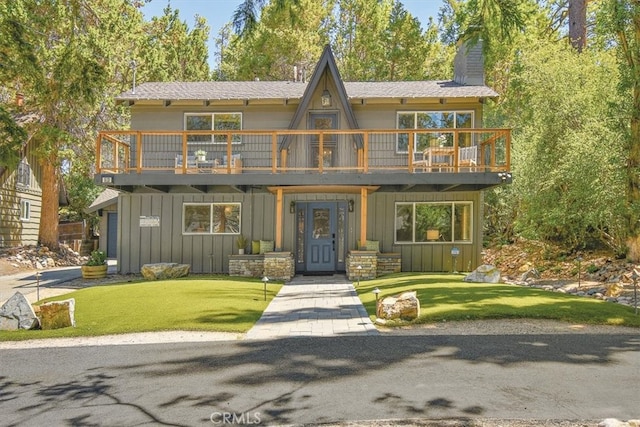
(578, 24)
(48, 233)
(630, 47)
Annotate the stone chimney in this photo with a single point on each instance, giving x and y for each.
(468, 64)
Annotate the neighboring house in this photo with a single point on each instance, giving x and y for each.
(323, 173)
(21, 197)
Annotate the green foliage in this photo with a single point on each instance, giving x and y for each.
(12, 138)
(96, 258)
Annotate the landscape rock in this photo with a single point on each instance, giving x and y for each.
(58, 314)
(164, 270)
(404, 306)
(484, 274)
(17, 313)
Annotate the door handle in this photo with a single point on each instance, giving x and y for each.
(333, 242)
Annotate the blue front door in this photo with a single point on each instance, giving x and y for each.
(112, 235)
(321, 237)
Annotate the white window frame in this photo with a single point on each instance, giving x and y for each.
(210, 231)
(236, 139)
(23, 174)
(25, 210)
(414, 241)
(415, 124)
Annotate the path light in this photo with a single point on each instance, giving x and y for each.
(454, 254)
(38, 274)
(376, 292)
(635, 274)
(265, 279)
(579, 259)
(359, 268)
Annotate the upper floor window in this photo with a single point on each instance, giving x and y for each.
(211, 218)
(433, 120)
(213, 121)
(23, 175)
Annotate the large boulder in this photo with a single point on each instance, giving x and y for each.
(58, 314)
(484, 274)
(17, 313)
(404, 306)
(164, 270)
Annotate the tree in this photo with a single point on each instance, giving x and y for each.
(621, 19)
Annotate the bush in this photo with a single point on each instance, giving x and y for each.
(97, 258)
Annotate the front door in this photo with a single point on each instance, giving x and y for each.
(321, 242)
(112, 234)
(321, 237)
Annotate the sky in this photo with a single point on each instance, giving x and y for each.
(219, 12)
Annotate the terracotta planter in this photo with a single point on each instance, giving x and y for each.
(94, 271)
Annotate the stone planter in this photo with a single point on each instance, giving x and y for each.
(94, 271)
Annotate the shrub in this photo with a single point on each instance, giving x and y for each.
(97, 258)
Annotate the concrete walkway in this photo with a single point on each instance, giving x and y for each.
(314, 306)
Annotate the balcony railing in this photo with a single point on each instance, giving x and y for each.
(304, 151)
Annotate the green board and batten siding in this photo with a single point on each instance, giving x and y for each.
(209, 253)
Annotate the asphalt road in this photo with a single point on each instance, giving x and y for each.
(311, 380)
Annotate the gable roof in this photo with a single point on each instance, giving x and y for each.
(202, 91)
(327, 63)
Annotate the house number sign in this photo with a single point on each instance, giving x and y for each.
(150, 221)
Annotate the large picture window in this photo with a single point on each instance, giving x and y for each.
(421, 222)
(211, 218)
(433, 120)
(213, 121)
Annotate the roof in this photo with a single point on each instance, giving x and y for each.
(215, 90)
(106, 198)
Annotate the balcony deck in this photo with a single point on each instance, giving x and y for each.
(432, 160)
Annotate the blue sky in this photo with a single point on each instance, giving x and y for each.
(219, 12)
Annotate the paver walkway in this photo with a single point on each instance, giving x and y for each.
(314, 306)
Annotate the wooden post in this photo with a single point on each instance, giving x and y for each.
(139, 152)
(363, 216)
(279, 201)
(365, 154)
(274, 152)
(410, 149)
(99, 153)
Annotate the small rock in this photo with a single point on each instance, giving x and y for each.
(612, 422)
(405, 306)
(58, 314)
(484, 274)
(164, 270)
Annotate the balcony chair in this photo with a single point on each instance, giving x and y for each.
(192, 164)
(468, 157)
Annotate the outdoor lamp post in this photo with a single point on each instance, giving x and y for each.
(38, 274)
(376, 292)
(579, 259)
(265, 279)
(359, 268)
(454, 254)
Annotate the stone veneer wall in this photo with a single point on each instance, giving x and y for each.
(279, 265)
(246, 265)
(368, 260)
(274, 265)
(389, 263)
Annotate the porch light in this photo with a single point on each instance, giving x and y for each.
(326, 98)
(504, 176)
(292, 207)
(351, 205)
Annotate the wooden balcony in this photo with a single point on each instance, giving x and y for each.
(304, 157)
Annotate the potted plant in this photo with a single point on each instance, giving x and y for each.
(242, 244)
(201, 155)
(96, 266)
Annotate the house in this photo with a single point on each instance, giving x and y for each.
(321, 176)
(21, 196)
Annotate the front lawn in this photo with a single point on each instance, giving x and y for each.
(447, 297)
(215, 303)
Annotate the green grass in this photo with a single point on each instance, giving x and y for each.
(215, 303)
(447, 297)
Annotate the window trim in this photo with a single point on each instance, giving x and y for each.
(210, 232)
(25, 210)
(23, 174)
(415, 123)
(212, 115)
(452, 203)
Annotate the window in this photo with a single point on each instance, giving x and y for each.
(211, 218)
(23, 174)
(25, 210)
(433, 222)
(433, 120)
(213, 121)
